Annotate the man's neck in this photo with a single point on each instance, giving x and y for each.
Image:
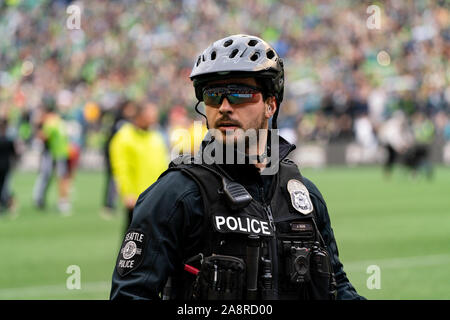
(258, 150)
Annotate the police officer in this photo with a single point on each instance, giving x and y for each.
(238, 221)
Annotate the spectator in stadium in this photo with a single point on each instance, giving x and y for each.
(8, 153)
(424, 131)
(396, 136)
(52, 131)
(178, 131)
(330, 63)
(185, 136)
(446, 130)
(138, 154)
(122, 115)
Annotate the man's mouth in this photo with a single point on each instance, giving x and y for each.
(227, 126)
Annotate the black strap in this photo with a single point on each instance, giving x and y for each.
(192, 171)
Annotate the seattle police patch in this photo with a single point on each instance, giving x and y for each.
(299, 197)
(131, 252)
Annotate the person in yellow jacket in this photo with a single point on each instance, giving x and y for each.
(138, 155)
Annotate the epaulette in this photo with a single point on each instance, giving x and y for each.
(182, 159)
(288, 161)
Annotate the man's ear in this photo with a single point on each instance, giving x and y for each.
(271, 107)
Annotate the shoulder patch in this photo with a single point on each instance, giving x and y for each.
(131, 253)
(300, 198)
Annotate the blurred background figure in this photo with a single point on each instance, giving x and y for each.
(179, 131)
(52, 131)
(121, 116)
(138, 154)
(8, 155)
(424, 134)
(25, 129)
(185, 134)
(397, 137)
(197, 132)
(345, 78)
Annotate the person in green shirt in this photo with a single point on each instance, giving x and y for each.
(53, 133)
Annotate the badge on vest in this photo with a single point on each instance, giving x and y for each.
(299, 197)
(131, 252)
(245, 225)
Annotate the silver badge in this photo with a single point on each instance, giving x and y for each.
(299, 197)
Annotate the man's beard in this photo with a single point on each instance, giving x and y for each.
(236, 136)
(239, 143)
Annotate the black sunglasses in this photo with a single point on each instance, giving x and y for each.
(236, 94)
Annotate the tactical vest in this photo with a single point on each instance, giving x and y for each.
(254, 250)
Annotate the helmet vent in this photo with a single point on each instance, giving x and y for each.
(198, 60)
(253, 43)
(234, 53)
(228, 43)
(203, 58)
(254, 56)
(213, 55)
(270, 54)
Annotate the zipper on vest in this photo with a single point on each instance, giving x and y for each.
(270, 216)
(272, 246)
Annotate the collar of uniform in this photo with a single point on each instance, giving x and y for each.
(285, 148)
(237, 171)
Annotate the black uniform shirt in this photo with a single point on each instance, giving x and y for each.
(170, 215)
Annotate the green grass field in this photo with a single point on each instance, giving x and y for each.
(401, 225)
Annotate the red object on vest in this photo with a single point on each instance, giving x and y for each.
(191, 269)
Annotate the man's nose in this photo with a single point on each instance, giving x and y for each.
(225, 107)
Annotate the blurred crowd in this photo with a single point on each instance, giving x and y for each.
(345, 78)
(338, 67)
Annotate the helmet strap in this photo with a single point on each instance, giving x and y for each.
(202, 114)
